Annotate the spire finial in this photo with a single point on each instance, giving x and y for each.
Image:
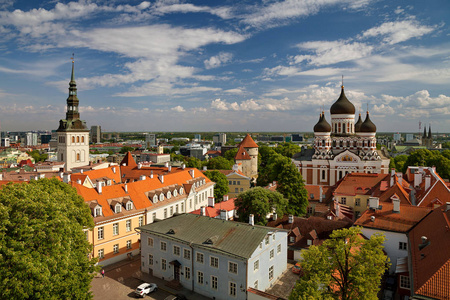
(367, 107)
(72, 77)
(342, 85)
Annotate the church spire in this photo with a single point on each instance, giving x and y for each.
(424, 131)
(429, 131)
(72, 101)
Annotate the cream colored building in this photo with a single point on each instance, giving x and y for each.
(247, 157)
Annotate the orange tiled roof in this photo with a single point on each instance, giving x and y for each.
(128, 160)
(430, 264)
(387, 219)
(242, 154)
(248, 142)
(228, 172)
(213, 212)
(358, 184)
(315, 191)
(437, 191)
(99, 173)
(398, 190)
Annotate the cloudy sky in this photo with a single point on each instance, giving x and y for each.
(243, 65)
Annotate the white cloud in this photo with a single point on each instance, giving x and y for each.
(163, 8)
(399, 31)
(218, 60)
(178, 109)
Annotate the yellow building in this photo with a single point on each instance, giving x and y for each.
(237, 182)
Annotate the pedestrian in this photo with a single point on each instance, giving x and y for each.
(103, 273)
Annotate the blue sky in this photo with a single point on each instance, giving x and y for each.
(224, 65)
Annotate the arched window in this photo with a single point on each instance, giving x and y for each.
(82, 139)
(78, 156)
(78, 139)
(343, 128)
(73, 139)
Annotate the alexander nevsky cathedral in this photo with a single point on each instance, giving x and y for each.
(343, 147)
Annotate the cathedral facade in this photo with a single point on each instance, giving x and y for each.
(343, 147)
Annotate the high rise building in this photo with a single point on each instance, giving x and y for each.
(31, 139)
(73, 135)
(96, 134)
(220, 139)
(150, 140)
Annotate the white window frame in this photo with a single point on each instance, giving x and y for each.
(163, 246)
(129, 205)
(256, 265)
(186, 253)
(150, 242)
(232, 267)
(141, 221)
(150, 259)
(402, 246)
(116, 229)
(214, 282)
(199, 254)
(128, 225)
(272, 254)
(405, 280)
(118, 208)
(101, 233)
(200, 277)
(279, 249)
(129, 244)
(116, 248)
(101, 253)
(232, 288)
(270, 273)
(176, 250)
(163, 264)
(214, 262)
(187, 273)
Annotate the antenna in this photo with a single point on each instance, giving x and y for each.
(342, 81)
(73, 57)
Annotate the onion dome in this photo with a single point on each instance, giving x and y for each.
(322, 125)
(358, 124)
(342, 106)
(368, 125)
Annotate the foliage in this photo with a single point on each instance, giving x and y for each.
(230, 154)
(177, 157)
(38, 156)
(346, 266)
(398, 162)
(193, 162)
(288, 149)
(221, 181)
(446, 145)
(259, 202)
(126, 149)
(427, 158)
(43, 249)
(219, 163)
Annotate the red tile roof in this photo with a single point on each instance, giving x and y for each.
(398, 190)
(128, 160)
(242, 154)
(213, 212)
(248, 142)
(431, 264)
(387, 219)
(358, 184)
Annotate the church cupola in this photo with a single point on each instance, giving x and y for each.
(358, 124)
(342, 116)
(342, 106)
(368, 126)
(322, 125)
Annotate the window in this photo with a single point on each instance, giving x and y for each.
(163, 246)
(116, 248)
(232, 267)
(78, 156)
(82, 139)
(101, 253)
(323, 175)
(267, 240)
(236, 190)
(309, 210)
(271, 254)
(200, 277)
(176, 250)
(232, 289)
(182, 207)
(200, 257)
(291, 239)
(171, 210)
(357, 202)
(256, 265)
(187, 273)
(141, 221)
(150, 259)
(187, 253)
(163, 264)
(404, 282)
(98, 212)
(129, 205)
(117, 208)
(255, 285)
(78, 139)
(214, 262)
(101, 233)
(402, 246)
(176, 208)
(154, 217)
(165, 213)
(343, 200)
(73, 139)
(214, 282)
(115, 228)
(230, 182)
(150, 242)
(271, 273)
(129, 244)
(279, 249)
(128, 225)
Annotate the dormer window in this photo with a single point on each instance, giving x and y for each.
(98, 212)
(129, 205)
(181, 191)
(118, 208)
(204, 181)
(169, 195)
(175, 192)
(161, 197)
(155, 199)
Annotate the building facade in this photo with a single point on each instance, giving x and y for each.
(343, 147)
(218, 259)
(96, 134)
(73, 135)
(247, 157)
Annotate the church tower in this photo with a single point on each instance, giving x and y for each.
(73, 135)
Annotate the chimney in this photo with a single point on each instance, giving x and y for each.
(400, 178)
(161, 178)
(151, 174)
(235, 167)
(374, 202)
(396, 203)
(392, 181)
(205, 168)
(99, 187)
(412, 196)
(79, 181)
(81, 171)
(192, 173)
(274, 216)
(427, 182)
(169, 169)
(211, 201)
(320, 193)
(392, 172)
(125, 187)
(202, 211)
(142, 177)
(225, 197)
(139, 166)
(183, 166)
(114, 170)
(166, 164)
(417, 179)
(251, 220)
(66, 177)
(372, 218)
(223, 214)
(291, 219)
(61, 175)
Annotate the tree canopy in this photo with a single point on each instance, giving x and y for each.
(344, 267)
(220, 163)
(288, 149)
(427, 158)
(193, 162)
(126, 149)
(37, 156)
(43, 249)
(221, 181)
(230, 154)
(259, 202)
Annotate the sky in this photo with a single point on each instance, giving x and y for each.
(246, 65)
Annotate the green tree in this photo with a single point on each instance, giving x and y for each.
(259, 202)
(427, 158)
(288, 149)
(221, 188)
(193, 162)
(230, 154)
(43, 249)
(177, 157)
(344, 267)
(219, 163)
(126, 149)
(398, 162)
(37, 156)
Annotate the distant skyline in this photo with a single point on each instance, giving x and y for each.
(224, 66)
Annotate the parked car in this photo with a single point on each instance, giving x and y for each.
(297, 269)
(176, 297)
(145, 289)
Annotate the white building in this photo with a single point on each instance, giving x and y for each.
(213, 257)
(96, 134)
(220, 139)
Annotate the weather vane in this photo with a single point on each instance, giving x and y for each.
(73, 57)
(342, 81)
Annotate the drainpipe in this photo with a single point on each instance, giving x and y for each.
(192, 265)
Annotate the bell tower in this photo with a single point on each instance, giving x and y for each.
(73, 134)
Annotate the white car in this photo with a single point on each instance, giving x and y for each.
(145, 289)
